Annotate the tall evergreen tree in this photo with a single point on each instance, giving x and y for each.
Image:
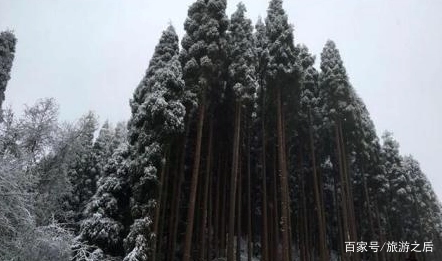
(308, 114)
(282, 72)
(336, 93)
(203, 59)
(242, 80)
(157, 115)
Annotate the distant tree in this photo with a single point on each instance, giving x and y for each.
(397, 183)
(425, 224)
(7, 52)
(82, 172)
(108, 212)
(103, 145)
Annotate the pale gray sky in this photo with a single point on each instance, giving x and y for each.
(91, 54)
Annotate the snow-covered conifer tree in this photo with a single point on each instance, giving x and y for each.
(242, 73)
(157, 116)
(281, 77)
(203, 60)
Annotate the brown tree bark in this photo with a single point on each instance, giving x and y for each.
(369, 212)
(282, 168)
(205, 228)
(158, 207)
(216, 222)
(323, 253)
(338, 212)
(275, 220)
(265, 231)
(174, 199)
(239, 212)
(163, 207)
(176, 204)
(194, 181)
(249, 200)
(233, 182)
(225, 214)
(349, 192)
(343, 194)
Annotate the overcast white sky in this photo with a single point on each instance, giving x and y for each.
(90, 55)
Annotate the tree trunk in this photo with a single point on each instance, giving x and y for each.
(176, 205)
(369, 213)
(249, 201)
(381, 232)
(343, 198)
(283, 179)
(194, 182)
(216, 222)
(158, 208)
(340, 230)
(349, 192)
(275, 209)
(238, 218)
(224, 212)
(301, 224)
(204, 228)
(323, 253)
(233, 182)
(265, 231)
(174, 199)
(163, 207)
(305, 226)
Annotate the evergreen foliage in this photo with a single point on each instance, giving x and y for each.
(238, 147)
(7, 52)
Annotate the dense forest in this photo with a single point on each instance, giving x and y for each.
(239, 147)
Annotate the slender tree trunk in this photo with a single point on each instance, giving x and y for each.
(283, 179)
(286, 152)
(158, 207)
(249, 200)
(340, 229)
(275, 209)
(349, 192)
(302, 219)
(204, 228)
(217, 234)
(163, 207)
(265, 231)
(194, 182)
(323, 253)
(176, 206)
(224, 212)
(343, 198)
(239, 207)
(381, 232)
(233, 182)
(305, 219)
(174, 199)
(369, 212)
(210, 230)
